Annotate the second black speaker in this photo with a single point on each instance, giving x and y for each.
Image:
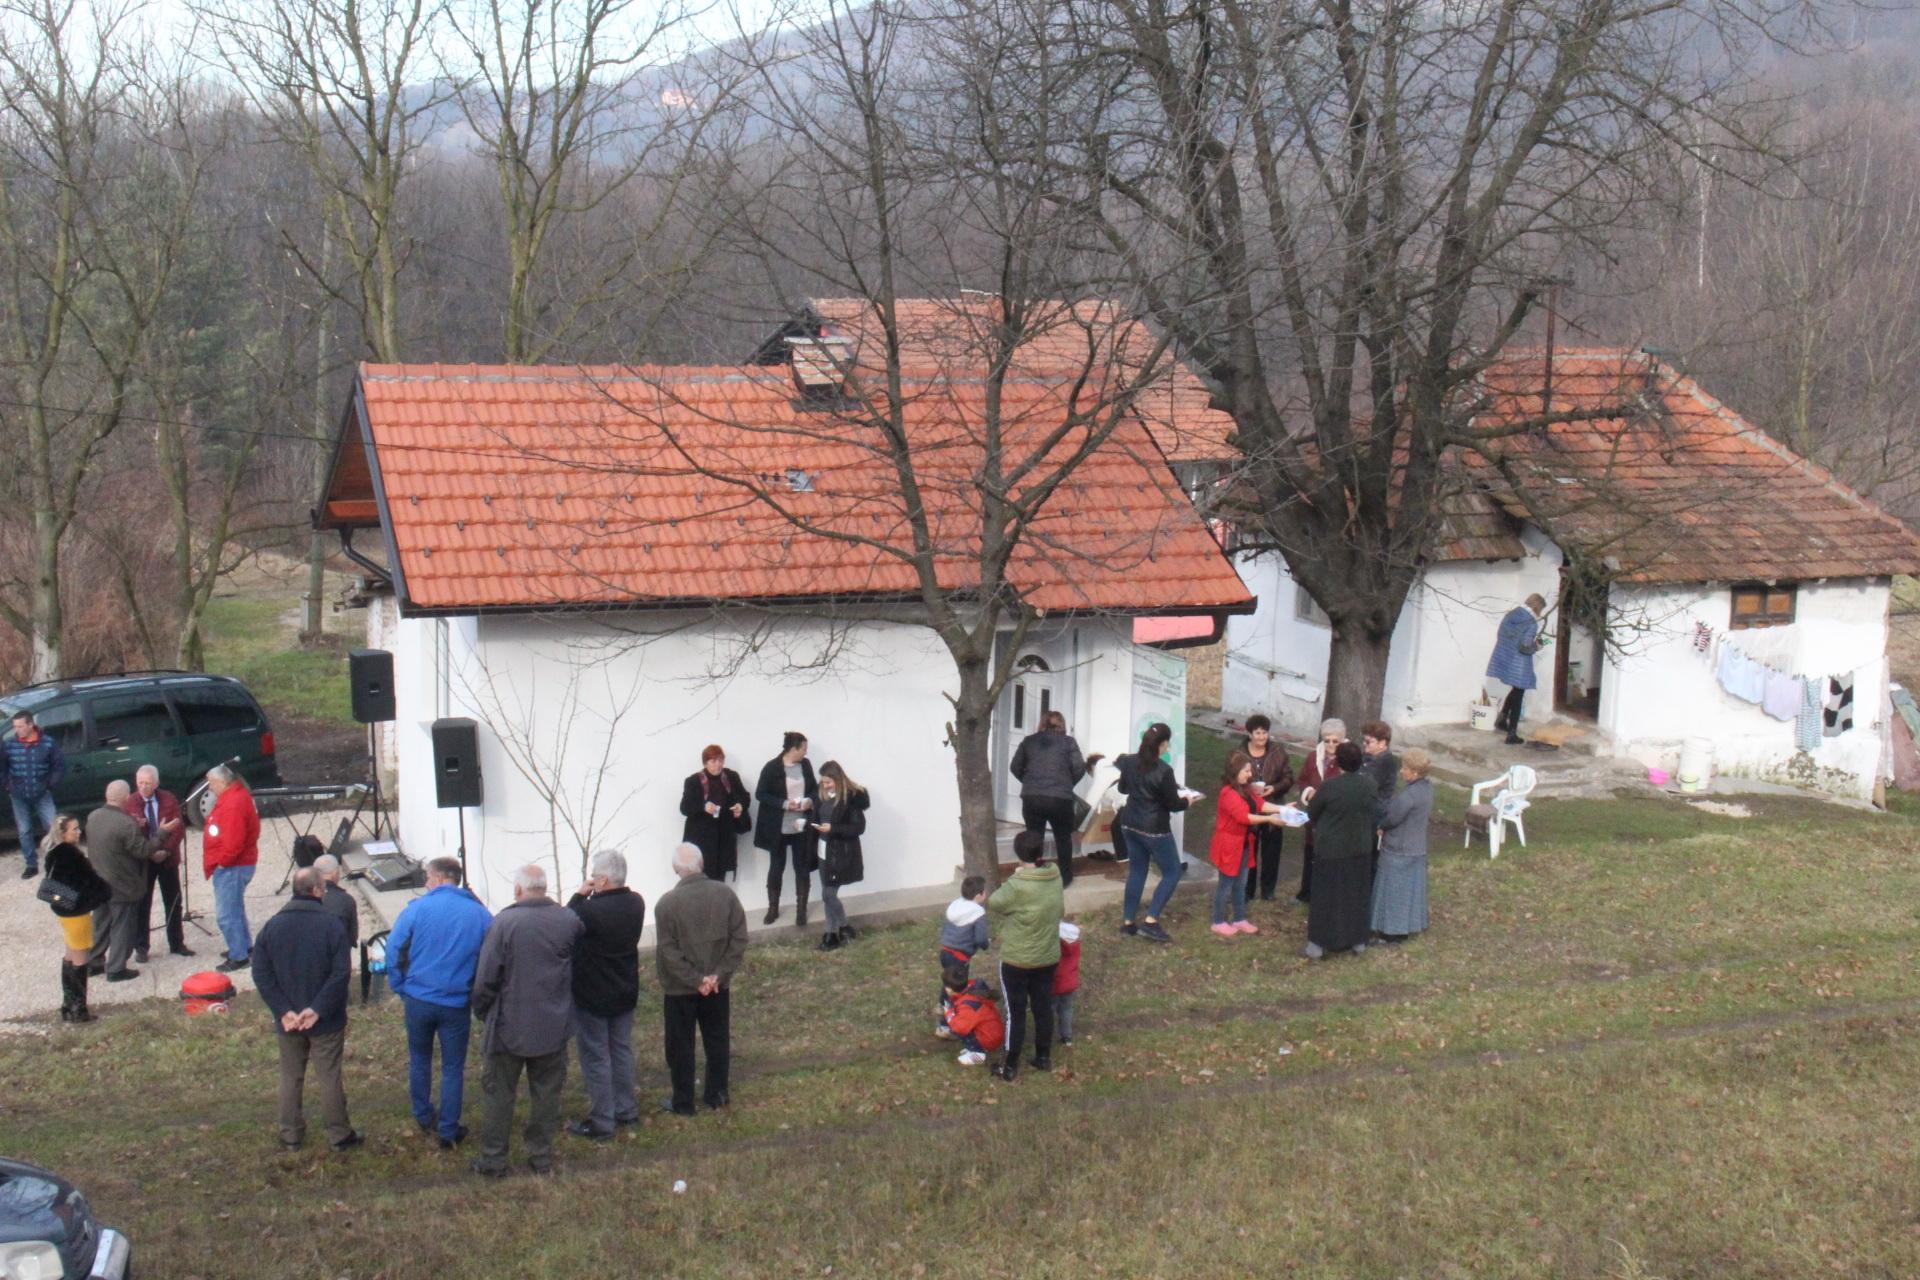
(370, 671)
(456, 763)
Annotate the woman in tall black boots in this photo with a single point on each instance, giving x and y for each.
(787, 793)
(715, 804)
(67, 866)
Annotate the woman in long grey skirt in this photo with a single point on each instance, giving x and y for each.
(1400, 884)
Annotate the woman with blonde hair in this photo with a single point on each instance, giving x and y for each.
(840, 817)
(74, 890)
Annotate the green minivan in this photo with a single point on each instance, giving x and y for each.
(183, 723)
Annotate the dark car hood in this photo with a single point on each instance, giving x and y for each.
(38, 1205)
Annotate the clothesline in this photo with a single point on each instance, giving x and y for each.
(1819, 706)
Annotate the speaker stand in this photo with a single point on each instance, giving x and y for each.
(373, 798)
(465, 879)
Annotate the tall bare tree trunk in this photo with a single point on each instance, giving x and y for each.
(972, 735)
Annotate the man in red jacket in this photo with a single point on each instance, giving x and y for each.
(158, 813)
(228, 853)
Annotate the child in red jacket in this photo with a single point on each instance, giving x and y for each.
(1066, 981)
(973, 1017)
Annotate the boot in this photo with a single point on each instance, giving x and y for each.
(773, 907)
(800, 904)
(73, 984)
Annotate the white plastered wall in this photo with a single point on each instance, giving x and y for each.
(1663, 691)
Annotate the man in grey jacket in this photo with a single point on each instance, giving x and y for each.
(119, 849)
(523, 995)
(700, 938)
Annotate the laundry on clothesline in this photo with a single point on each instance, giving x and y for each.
(1809, 725)
(1702, 637)
(1740, 675)
(1839, 705)
(1782, 695)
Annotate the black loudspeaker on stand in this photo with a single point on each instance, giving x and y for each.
(370, 672)
(456, 773)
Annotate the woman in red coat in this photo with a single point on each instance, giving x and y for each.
(1237, 817)
(1319, 767)
(228, 854)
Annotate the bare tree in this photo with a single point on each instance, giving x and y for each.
(565, 124)
(99, 171)
(1343, 211)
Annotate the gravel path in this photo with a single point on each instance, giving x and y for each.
(30, 944)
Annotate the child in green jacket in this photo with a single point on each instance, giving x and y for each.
(1025, 913)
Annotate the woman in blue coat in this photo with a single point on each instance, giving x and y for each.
(1512, 660)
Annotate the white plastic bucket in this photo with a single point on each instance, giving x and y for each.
(1696, 764)
(1480, 716)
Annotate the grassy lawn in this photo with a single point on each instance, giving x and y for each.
(1656, 1043)
(248, 637)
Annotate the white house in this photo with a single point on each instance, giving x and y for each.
(1700, 533)
(610, 568)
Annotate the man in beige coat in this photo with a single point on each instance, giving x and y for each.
(120, 851)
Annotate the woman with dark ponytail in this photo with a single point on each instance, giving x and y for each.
(1145, 826)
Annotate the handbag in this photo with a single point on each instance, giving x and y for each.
(58, 894)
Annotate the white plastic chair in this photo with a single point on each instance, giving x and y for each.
(1509, 802)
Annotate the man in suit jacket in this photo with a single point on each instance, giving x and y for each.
(158, 813)
(121, 852)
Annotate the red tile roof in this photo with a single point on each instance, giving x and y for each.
(526, 488)
(953, 337)
(1681, 490)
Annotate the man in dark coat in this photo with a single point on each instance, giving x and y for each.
(158, 813)
(700, 938)
(606, 987)
(523, 995)
(340, 904)
(1049, 765)
(121, 852)
(300, 967)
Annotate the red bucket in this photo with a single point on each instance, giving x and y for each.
(206, 992)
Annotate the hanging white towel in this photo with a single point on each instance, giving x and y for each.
(1781, 699)
(1809, 723)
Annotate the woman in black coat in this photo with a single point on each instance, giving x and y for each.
(1342, 810)
(786, 794)
(715, 804)
(840, 819)
(66, 865)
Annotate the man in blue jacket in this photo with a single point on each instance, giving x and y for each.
(31, 766)
(431, 955)
(300, 967)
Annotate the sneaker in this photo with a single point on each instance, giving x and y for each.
(1152, 932)
(582, 1129)
(1006, 1071)
(1066, 1039)
(1225, 930)
(30, 873)
(233, 966)
(1314, 951)
(1245, 926)
(1130, 930)
(972, 1057)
